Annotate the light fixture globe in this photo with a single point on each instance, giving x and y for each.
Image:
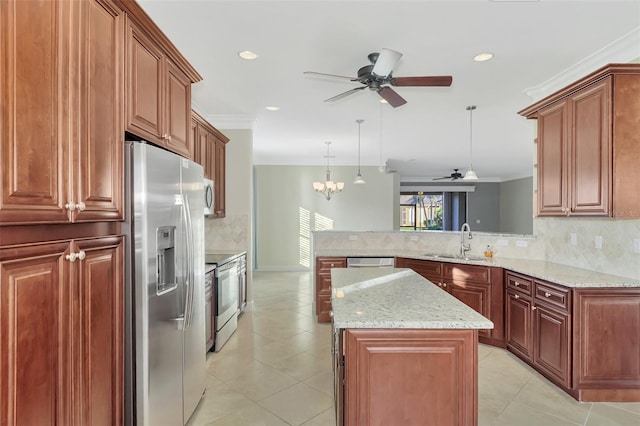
(470, 175)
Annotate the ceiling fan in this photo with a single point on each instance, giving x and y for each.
(453, 176)
(377, 75)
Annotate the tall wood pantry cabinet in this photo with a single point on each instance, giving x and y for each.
(64, 67)
(588, 145)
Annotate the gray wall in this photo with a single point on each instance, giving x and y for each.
(287, 210)
(483, 205)
(516, 206)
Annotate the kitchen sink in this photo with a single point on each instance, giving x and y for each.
(455, 256)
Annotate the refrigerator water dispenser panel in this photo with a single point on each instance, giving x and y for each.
(165, 256)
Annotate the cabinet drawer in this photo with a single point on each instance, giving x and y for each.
(520, 283)
(325, 264)
(464, 272)
(422, 267)
(553, 294)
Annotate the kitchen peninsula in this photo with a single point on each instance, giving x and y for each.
(405, 351)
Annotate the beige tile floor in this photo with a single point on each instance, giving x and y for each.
(276, 370)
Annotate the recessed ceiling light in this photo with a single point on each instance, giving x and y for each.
(481, 57)
(272, 108)
(248, 55)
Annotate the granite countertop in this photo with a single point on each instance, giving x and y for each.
(396, 298)
(568, 276)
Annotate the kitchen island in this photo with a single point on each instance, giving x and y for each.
(405, 351)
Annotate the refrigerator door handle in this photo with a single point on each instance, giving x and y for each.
(188, 310)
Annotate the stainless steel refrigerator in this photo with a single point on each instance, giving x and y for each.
(165, 365)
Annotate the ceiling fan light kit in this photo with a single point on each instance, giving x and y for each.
(378, 76)
(470, 175)
(359, 180)
(328, 187)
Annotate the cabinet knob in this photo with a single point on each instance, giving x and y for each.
(71, 257)
(81, 255)
(332, 265)
(533, 308)
(81, 206)
(547, 294)
(71, 206)
(516, 296)
(444, 284)
(517, 284)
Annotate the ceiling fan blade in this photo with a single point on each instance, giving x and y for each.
(345, 94)
(391, 96)
(321, 74)
(439, 80)
(386, 61)
(441, 178)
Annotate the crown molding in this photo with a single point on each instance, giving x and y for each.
(623, 50)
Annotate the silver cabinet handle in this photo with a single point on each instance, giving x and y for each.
(547, 294)
(81, 206)
(71, 257)
(516, 296)
(533, 308)
(71, 206)
(517, 284)
(81, 255)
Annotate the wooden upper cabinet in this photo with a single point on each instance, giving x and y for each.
(61, 124)
(34, 131)
(210, 153)
(158, 94)
(588, 145)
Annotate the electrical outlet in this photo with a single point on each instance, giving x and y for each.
(598, 242)
(636, 245)
(574, 239)
(353, 237)
(521, 243)
(477, 220)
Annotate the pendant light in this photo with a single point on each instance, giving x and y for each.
(470, 175)
(358, 180)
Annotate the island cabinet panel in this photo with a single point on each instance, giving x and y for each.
(587, 145)
(61, 126)
(410, 377)
(323, 285)
(606, 339)
(519, 334)
(61, 310)
(430, 270)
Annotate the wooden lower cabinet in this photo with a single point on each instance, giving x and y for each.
(323, 285)
(519, 336)
(62, 333)
(409, 377)
(479, 287)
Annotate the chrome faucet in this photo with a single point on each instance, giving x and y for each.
(465, 247)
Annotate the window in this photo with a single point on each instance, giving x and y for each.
(439, 211)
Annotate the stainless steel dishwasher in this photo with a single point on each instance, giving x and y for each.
(370, 262)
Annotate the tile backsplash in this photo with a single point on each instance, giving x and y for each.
(227, 233)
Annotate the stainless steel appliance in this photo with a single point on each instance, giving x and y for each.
(165, 363)
(209, 200)
(370, 262)
(242, 283)
(209, 280)
(226, 297)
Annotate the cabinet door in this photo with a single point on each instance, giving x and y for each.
(552, 349)
(476, 296)
(98, 153)
(178, 104)
(323, 285)
(518, 325)
(35, 328)
(144, 85)
(424, 377)
(34, 129)
(100, 314)
(590, 147)
(552, 161)
(219, 179)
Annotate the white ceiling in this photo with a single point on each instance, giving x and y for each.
(533, 42)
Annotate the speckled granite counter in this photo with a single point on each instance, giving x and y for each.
(561, 274)
(396, 298)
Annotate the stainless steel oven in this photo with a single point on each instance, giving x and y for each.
(226, 301)
(209, 280)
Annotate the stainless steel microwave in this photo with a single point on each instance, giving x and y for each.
(209, 199)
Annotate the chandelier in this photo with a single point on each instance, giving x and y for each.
(329, 187)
